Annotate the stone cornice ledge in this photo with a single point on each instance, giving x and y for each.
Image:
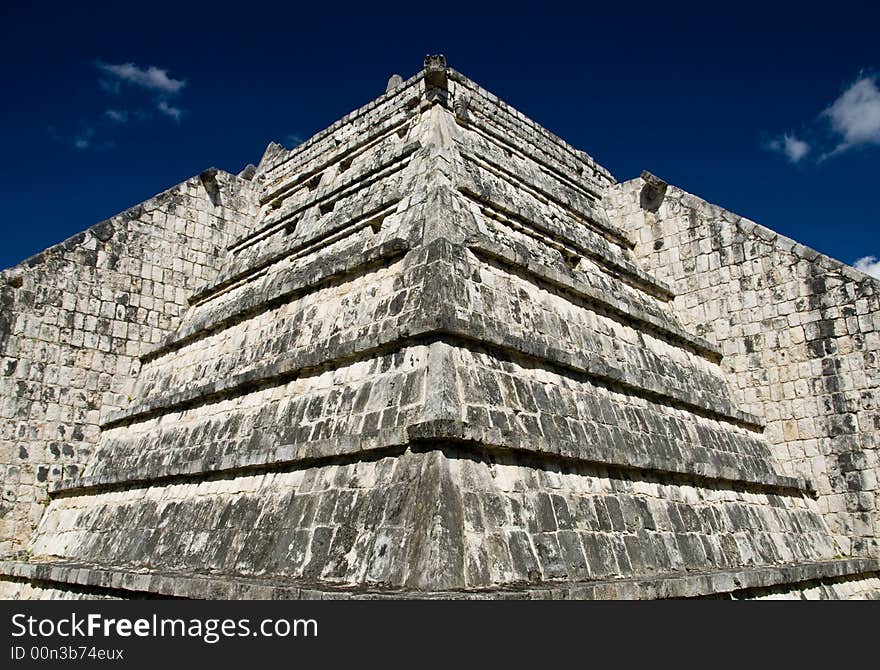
(737, 471)
(234, 587)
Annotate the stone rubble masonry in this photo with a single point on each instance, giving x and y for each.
(423, 354)
(800, 334)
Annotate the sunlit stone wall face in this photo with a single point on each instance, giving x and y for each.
(75, 319)
(424, 355)
(800, 334)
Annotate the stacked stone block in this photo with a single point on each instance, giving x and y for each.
(798, 331)
(76, 317)
(431, 365)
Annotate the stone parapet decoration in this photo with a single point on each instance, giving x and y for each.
(424, 354)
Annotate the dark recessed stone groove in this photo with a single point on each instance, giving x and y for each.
(510, 135)
(394, 163)
(316, 139)
(525, 148)
(268, 376)
(627, 271)
(608, 232)
(826, 581)
(564, 363)
(232, 586)
(437, 327)
(348, 152)
(87, 592)
(367, 177)
(572, 289)
(387, 443)
(457, 440)
(494, 446)
(321, 273)
(329, 234)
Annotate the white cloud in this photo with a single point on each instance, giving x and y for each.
(84, 139)
(870, 265)
(116, 115)
(152, 78)
(794, 149)
(855, 115)
(851, 121)
(169, 110)
(161, 87)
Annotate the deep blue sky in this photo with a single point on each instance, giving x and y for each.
(694, 94)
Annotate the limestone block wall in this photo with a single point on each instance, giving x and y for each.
(822, 589)
(798, 332)
(433, 366)
(76, 317)
(380, 522)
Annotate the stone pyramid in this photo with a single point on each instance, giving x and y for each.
(432, 368)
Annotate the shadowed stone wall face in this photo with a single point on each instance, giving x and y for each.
(76, 317)
(800, 334)
(430, 365)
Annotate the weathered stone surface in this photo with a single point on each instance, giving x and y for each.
(433, 351)
(74, 321)
(799, 335)
(394, 81)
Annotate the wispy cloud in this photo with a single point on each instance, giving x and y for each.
(151, 78)
(116, 115)
(855, 115)
(870, 265)
(84, 139)
(169, 110)
(791, 146)
(161, 88)
(850, 122)
(139, 94)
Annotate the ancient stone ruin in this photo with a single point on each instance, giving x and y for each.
(435, 351)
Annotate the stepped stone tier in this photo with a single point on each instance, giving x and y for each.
(435, 351)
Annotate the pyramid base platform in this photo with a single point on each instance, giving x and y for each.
(836, 579)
